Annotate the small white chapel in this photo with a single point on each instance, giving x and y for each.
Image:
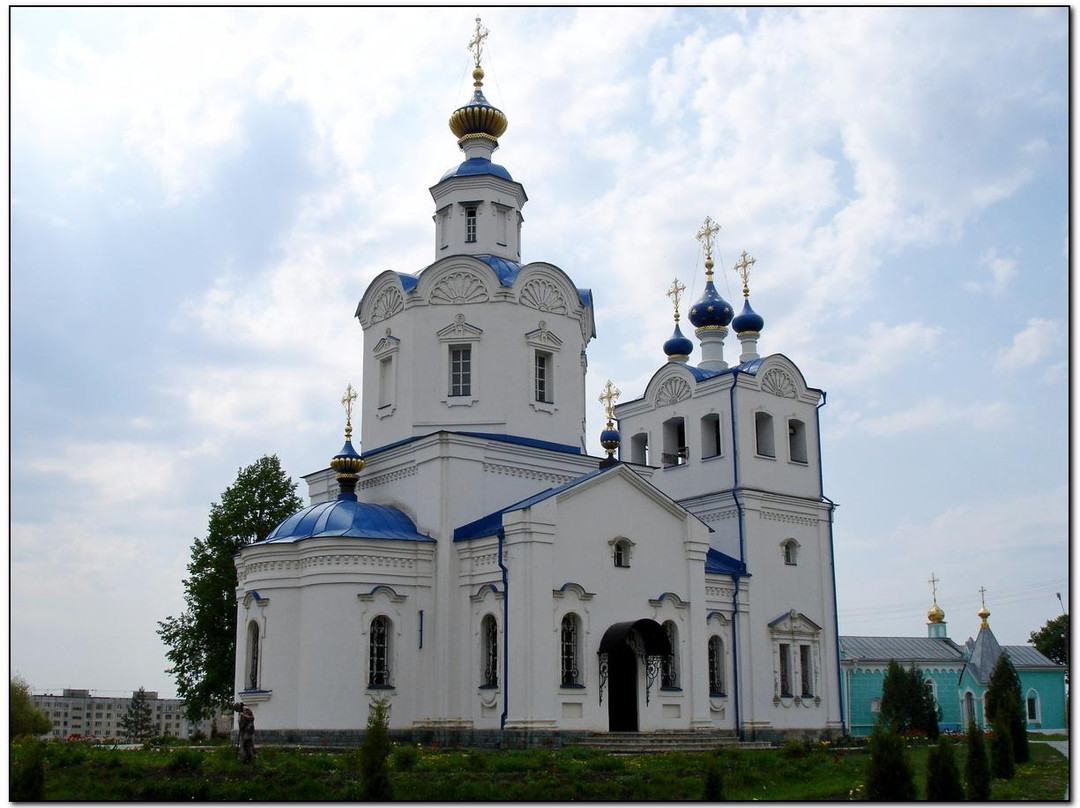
(495, 582)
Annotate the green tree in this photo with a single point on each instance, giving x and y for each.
(375, 749)
(942, 773)
(889, 776)
(1002, 762)
(977, 768)
(907, 701)
(24, 717)
(137, 723)
(202, 640)
(27, 781)
(1053, 639)
(1003, 704)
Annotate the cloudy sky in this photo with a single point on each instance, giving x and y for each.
(200, 196)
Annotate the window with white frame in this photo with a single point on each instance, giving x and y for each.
(386, 381)
(620, 552)
(711, 444)
(1032, 705)
(669, 666)
(460, 370)
(379, 652)
(716, 666)
(570, 653)
(785, 669)
(489, 633)
(766, 440)
(796, 441)
(875, 705)
(791, 552)
(806, 671)
(470, 224)
(253, 656)
(796, 656)
(543, 376)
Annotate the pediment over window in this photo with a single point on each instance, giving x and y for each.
(794, 622)
(573, 588)
(388, 344)
(382, 589)
(459, 329)
(542, 338)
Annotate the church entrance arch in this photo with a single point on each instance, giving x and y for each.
(627, 650)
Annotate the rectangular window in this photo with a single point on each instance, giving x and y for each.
(501, 232)
(470, 224)
(806, 670)
(544, 391)
(797, 441)
(386, 379)
(785, 669)
(460, 370)
(639, 449)
(710, 435)
(763, 425)
(1031, 709)
(675, 451)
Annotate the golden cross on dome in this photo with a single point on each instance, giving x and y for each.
(608, 398)
(742, 268)
(933, 583)
(982, 595)
(705, 236)
(675, 293)
(347, 400)
(476, 44)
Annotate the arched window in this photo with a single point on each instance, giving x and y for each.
(570, 651)
(796, 441)
(489, 633)
(253, 656)
(766, 441)
(379, 652)
(669, 668)
(716, 666)
(621, 553)
(791, 551)
(1031, 706)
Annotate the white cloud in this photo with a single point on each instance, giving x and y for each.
(924, 415)
(1002, 273)
(1039, 339)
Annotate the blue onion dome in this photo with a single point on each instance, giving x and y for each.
(711, 310)
(748, 320)
(610, 440)
(347, 518)
(347, 463)
(679, 346)
(478, 118)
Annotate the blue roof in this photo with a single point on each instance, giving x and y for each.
(490, 524)
(565, 448)
(717, 562)
(476, 166)
(349, 518)
(408, 282)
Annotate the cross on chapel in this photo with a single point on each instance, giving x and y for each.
(675, 293)
(476, 44)
(742, 268)
(705, 236)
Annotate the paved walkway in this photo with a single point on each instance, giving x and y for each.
(1063, 747)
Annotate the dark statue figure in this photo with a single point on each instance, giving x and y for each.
(246, 732)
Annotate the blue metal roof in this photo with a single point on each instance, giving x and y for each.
(903, 649)
(490, 524)
(349, 518)
(408, 282)
(505, 269)
(477, 166)
(717, 562)
(565, 448)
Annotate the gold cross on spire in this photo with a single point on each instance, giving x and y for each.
(608, 398)
(933, 583)
(982, 595)
(675, 293)
(742, 268)
(347, 400)
(705, 236)
(476, 44)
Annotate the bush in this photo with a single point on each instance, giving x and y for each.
(28, 774)
(890, 776)
(403, 758)
(1001, 750)
(942, 773)
(375, 749)
(977, 769)
(185, 760)
(714, 781)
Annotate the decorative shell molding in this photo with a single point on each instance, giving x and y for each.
(672, 391)
(543, 295)
(778, 383)
(787, 518)
(459, 287)
(387, 304)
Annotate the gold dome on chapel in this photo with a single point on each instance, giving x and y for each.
(478, 119)
(935, 615)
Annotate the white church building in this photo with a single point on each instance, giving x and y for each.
(495, 582)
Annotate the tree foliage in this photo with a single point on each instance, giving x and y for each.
(1053, 640)
(889, 776)
(942, 774)
(202, 640)
(977, 767)
(375, 749)
(907, 701)
(1002, 762)
(24, 717)
(1004, 705)
(138, 723)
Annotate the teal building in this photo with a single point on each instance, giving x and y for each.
(958, 675)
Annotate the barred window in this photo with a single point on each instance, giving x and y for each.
(379, 653)
(716, 666)
(253, 656)
(669, 668)
(807, 670)
(571, 675)
(489, 631)
(785, 669)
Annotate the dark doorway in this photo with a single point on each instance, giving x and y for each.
(622, 678)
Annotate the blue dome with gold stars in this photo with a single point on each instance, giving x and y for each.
(747, 320)
(711, 310)
(678, 346)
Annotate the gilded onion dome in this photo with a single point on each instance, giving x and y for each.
(478, 118)
(935, 614)
(347, 463)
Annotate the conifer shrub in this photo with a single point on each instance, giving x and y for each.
(374, 768)
(1004, 701)
(977, 768)
(714, 780)
(942, 773)
(1001, 750)
(889, 776)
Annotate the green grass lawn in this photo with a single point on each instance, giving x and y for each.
(793, 772)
